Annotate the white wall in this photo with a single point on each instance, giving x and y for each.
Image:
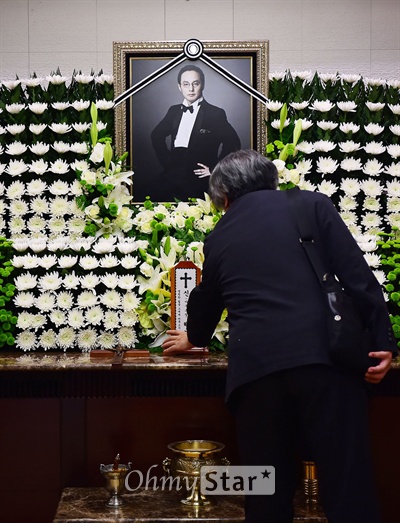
(349, 36)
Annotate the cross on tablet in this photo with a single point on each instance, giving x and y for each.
(186, 278)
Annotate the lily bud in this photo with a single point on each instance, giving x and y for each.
(108, 154)
(297, 132)
(282, 117)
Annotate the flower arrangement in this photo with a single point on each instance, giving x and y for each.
(8, 319)
(105, 197)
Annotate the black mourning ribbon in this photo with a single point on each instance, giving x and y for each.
(187, 108)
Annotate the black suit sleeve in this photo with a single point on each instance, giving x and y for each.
(159, 135)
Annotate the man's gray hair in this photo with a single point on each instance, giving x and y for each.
(239, 173)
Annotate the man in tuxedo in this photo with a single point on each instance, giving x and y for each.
(190, 140)
(287, 396)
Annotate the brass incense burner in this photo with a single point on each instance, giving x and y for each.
(115, 475)
(190, 456)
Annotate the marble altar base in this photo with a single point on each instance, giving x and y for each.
(88, 505)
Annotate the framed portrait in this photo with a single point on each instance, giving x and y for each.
(171, 154)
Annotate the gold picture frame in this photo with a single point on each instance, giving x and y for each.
(136, 116)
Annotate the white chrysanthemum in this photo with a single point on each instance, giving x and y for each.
(111, 320)
(16, 225)
(349, 128)
(36, 187)
(393, 220)
(109, 261)
(39, 167)
(299, 106)
(26, 340)
(58, 317)
(39, 205)
(76, 225)
(61, 147)
(395, 108)
(374, 129)
(276, 124)
(110, 280)
(374, 148)
(90, 280)
(129, 262)
(94, 315)
(15, 129)
(39, 321)
(373, 168)
(76, 190)
(322, 106)
(84, 78)
(351, 164)
(25, 281)
(130, 301)
(58, 244)
(126, 337)
(88, 263)
(375, 81)
(395, 129)
(57, 225)
(25, 320)
(371, 187)
(127, 282)
(81, 127)
(128, 318)
(50, 282)
(15, 190)
(56, 79)
(39, 148)
(324, 146)
(36, 224)
(327, 125)
(66, 338)
(104, 245)
(48, 339)
(393, 188)
(37, 245)
(59, 206)
(66, 262)
(16, 168)
(274, 106)
(327, 187)
(86, 299)
(393, 204)
(45, 301)
(38, 107)
(104, 105)
(393, 169)
(107, 340)
(48, 260)
(60, 128)
(59, 188)
(393, 150)
(59, 167)
(60, 106)
(326, 165)
(371, 220)
(79, 148)
(20, 244)
(372, 259)
(25, 300)
(347, 203)
(14, 108)
(18, 262)
(375, 106)
(65, 300)
(101, 125)
(305, 124)
(350, 78)
(372, 204)
(393, 83)
(347, 107)
(349, 218)
(31, 261)
(80, 165)
(349, 147)
(305, 147)
(380, 276)
(104, 79)
(18, 208)
(76, 319)
(111, 299)
(87, 339)
(37, 129)
(126, 247)
(80, 105)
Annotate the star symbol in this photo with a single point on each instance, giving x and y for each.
(265, 474)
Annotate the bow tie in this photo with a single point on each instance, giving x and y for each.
(187, 108)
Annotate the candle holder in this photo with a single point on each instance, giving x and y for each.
(115, 475)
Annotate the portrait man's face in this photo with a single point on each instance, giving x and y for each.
(190, 86)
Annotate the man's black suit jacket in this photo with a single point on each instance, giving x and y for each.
(256, 267)
(212, 138)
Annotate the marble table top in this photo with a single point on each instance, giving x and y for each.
(88, 505)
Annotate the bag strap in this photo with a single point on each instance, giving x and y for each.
(299, 212)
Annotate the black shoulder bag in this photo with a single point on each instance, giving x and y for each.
(348, 339)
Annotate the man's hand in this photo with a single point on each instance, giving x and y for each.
(176, 343)
(203, 172)
(377, 373)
